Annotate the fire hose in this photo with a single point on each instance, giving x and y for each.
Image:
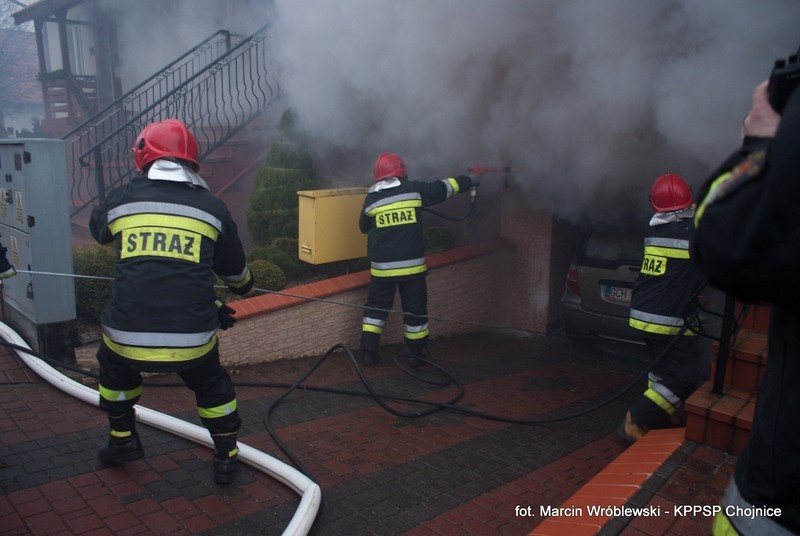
(310, 493)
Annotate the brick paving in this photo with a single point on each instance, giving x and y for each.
(451, 472)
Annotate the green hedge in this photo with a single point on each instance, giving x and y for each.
(91, 295)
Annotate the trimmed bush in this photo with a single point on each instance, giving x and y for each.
(289, 168)
(283, 252)
(268, 275)
(438, 239)
(91, 295)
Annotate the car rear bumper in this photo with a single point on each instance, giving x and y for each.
(580, 322)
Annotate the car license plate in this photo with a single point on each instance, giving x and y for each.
(619, 295)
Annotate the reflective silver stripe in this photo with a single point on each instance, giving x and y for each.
(413, 196)
(174, 340)
(397, 264)
(674, 243)
(746, 522)
(373, 322)
(656, 319)
(449, 186)
(415, 329)
(172, 209)
(664, 391)
(235, 278)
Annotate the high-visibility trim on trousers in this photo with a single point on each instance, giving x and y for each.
(659, 324)
(218, 411)
(120, 396)
(372, 325)
(167, 354)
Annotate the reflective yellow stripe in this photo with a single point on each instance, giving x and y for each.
(722, 526)
(141, 353)
(411, 203)
(164, 220)
(120, 396)
(671, 253)
(399, 271)
(120, 433)
(238, 284)
(217, 412)
(657, 328)
(659, 401)
(453, 184)
(413, 335)
(372, 328)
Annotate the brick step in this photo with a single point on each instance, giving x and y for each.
(720, 421)
(747, 360)
(724, 421)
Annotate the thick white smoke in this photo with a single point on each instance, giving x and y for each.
(587, 101)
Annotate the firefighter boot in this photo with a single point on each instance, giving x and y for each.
(225, 461)
(370, 357)
(629, 431)
(124, 444)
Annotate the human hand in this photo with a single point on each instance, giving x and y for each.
(225, 313)
(762, 121)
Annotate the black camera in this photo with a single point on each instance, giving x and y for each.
(783, 80)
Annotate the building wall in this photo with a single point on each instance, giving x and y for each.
(528, 295)
(465, 295)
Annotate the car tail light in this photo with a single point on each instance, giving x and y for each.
(572, 277)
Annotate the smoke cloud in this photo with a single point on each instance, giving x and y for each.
(589, 102)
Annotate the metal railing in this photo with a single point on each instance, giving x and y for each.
(216, 88)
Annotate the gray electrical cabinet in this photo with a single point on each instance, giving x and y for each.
(35, 228)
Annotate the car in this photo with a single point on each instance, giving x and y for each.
(599, 285)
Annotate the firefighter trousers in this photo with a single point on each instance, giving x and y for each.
(676, 376)
(414, 301)
(121, 387)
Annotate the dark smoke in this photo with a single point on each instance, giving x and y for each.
(588, 101)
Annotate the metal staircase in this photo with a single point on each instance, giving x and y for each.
(217, 88)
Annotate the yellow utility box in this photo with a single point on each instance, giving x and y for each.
(328, 228)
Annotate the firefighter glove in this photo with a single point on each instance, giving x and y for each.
(225, 313)
(476, 179)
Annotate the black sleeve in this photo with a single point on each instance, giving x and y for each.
(230, 263)
(436, 192)
(746, 241)
(98, 221)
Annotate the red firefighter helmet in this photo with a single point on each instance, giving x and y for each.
(168, 138)
(670, 192)
(389, 165)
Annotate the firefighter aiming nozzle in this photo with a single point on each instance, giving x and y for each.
(479, 169)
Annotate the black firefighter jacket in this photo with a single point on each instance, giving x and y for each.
(748, 244)
(664, 294)
(172, 240)
(391, 218)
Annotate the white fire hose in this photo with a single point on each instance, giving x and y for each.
(310, 493)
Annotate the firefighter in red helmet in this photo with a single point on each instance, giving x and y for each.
(664, 297)
(396, 249)
(173, 239)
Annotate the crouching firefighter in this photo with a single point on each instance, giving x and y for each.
(664, 296)
(396, 249)
(172, 238)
